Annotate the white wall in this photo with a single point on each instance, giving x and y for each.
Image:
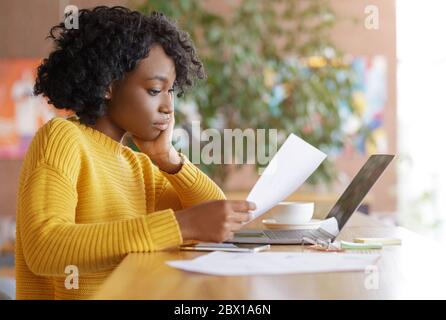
(421, 53)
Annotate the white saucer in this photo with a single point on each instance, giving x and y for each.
(273, 224)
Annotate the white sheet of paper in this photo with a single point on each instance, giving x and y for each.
(290, 167)
(269, 263)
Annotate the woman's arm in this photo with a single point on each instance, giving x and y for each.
(53, 240)
(186, 188)
(184, 185)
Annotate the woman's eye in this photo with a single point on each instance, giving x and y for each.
(153, 92)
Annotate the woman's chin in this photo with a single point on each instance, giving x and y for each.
(148, 136)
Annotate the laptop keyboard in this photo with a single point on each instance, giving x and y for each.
(283, 234)
(297, 234)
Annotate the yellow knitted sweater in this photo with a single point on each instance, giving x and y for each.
(85, 200)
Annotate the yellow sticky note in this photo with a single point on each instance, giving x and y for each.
(383, 241)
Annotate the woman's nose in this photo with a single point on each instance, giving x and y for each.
(167, 105)
(166, 108)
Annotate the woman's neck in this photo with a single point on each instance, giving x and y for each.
(105, 125)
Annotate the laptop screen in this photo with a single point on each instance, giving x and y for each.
(358, 188)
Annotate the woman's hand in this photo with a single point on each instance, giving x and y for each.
(161, 150)
(214, 221)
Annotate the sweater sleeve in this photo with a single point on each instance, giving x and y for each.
(187, 187)
(52, 239)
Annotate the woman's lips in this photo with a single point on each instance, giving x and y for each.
(161, 125)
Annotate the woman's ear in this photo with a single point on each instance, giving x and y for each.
(108, 92)
(108, 95)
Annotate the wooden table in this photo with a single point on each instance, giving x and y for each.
(416, 269)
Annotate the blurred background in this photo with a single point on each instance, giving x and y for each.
(352, 77)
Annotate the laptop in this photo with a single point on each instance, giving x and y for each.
(336, 219)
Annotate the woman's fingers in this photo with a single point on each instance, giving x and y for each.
(170, 127)
(240, 217)
(242, 205)
(234, 226)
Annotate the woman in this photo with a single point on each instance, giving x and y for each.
(85, 200)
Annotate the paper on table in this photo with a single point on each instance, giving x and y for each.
(293, 163)
(239, 264)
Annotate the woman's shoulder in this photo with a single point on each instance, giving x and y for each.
(57, 127)
(55, 143)
(61, 126)
(56, 132)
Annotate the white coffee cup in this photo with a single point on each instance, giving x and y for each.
(294, 212)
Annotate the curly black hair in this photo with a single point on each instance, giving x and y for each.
(108, 44)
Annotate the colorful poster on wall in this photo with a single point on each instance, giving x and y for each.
(21, 113)
(365, 127)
